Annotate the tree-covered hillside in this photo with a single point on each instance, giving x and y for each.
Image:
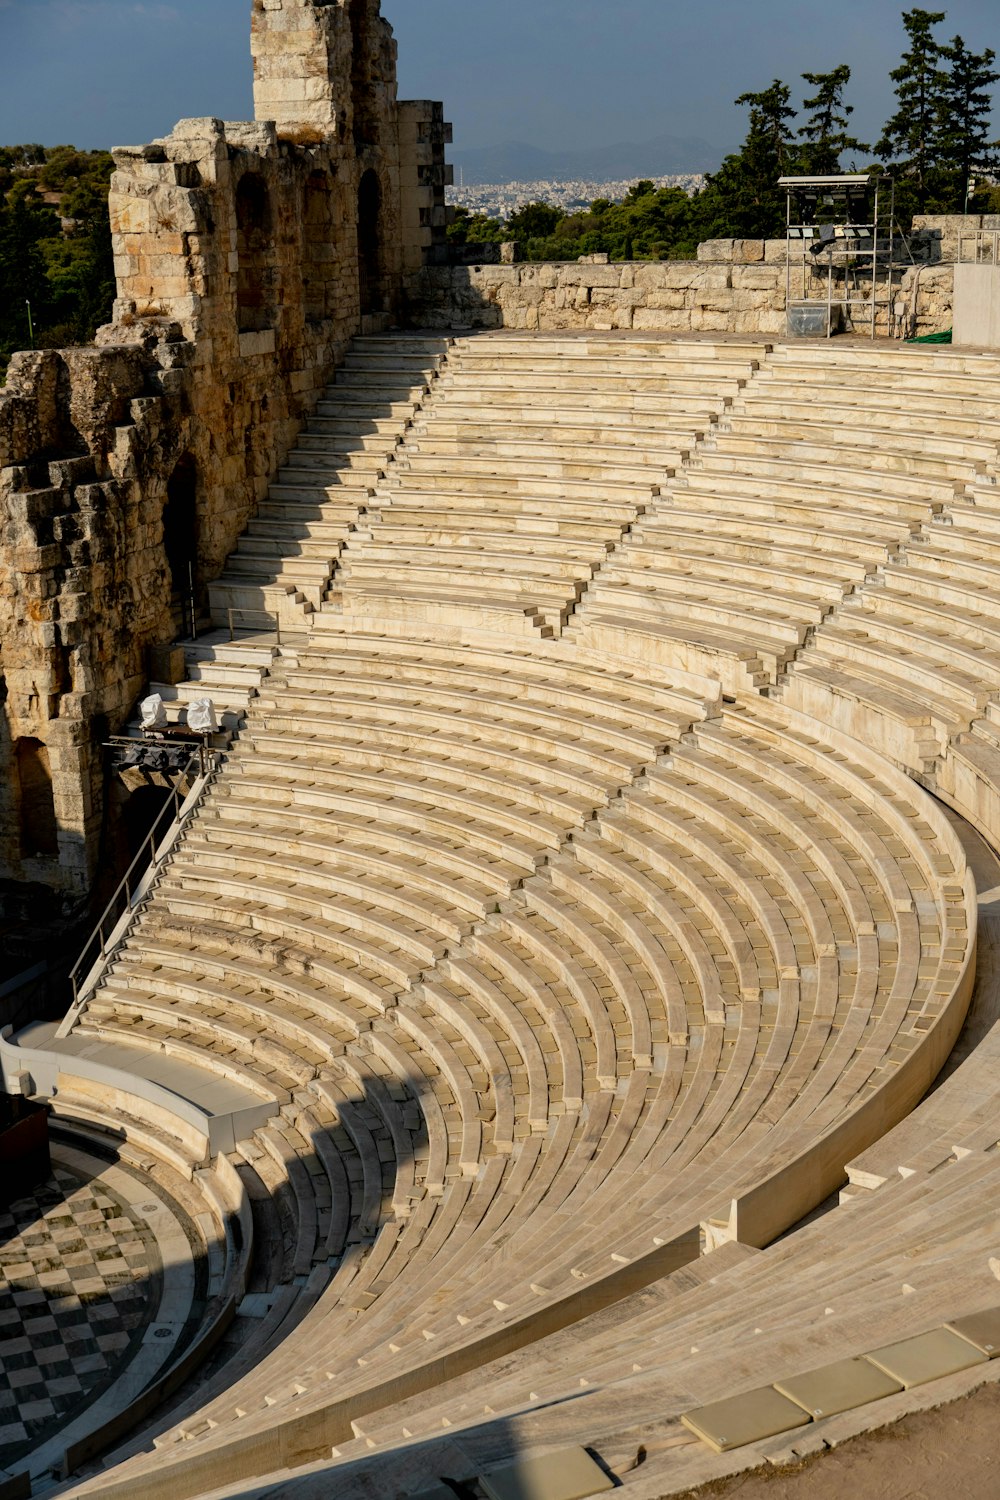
(57, 280)
(937, 146)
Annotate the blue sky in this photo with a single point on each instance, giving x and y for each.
(555, 73)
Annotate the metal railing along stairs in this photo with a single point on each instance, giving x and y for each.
(137, 882)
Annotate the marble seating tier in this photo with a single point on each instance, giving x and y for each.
(570, 895)
(734, 953)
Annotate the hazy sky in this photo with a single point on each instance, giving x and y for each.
(555, 73)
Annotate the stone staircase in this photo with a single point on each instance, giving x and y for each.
(522, 472)
(283, 563)
(280, 571)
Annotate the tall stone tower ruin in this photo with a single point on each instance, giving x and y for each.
(324, 68)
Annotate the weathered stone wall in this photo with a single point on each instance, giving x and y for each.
(948, 237)
(247, 256)
(86, 438)
(249, 245)
(734, 287)
(424, 175)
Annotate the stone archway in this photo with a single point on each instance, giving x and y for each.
(370, 243)
(254, 289)
(180, 528)
(317, 246)
(39, 830)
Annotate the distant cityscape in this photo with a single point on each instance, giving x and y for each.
(498, 200)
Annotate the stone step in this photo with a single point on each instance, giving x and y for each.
(869, 410)
(530, 451)
(818, 429)
(341, 403)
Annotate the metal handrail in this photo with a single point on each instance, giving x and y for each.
(987, 240)
(207, 764)
(263, 614)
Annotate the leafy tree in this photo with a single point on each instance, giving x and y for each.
(825, 134)
(476, 229)
(25, 223)
(743, 199)
(964, 143)
(534, 221)
(910, 139)
(65, 270)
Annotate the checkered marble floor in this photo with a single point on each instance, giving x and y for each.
(80, 1281)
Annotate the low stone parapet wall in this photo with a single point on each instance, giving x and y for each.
(740, 295)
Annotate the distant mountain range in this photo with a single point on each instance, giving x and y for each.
(517, 162)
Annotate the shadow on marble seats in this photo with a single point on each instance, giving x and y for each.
(315, 1216)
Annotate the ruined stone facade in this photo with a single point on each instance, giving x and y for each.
(247, 256)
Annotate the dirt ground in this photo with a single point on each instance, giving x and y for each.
(952, 1453)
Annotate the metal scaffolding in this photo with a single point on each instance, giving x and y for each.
(840, 237)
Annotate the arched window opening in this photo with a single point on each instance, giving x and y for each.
(369, 243)
(317, 246)
(254, 291)
(180, 526)
(362, 89)
(39, 830)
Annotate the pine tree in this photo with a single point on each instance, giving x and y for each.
(964, 142)
(770, 112)
(825, 132)
(743, 199)
(910, 140)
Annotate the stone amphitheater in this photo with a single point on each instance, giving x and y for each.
(549, 1052)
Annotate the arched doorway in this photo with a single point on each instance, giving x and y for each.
(36, 803)
(180, 530)
(317, 246)
(254, 290)
(369, 243)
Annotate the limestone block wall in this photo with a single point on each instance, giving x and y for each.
(325, 73)
(946, 237)
(669, 296)
(87, 438)
(734, 287)
(324, 69)
(249, 244)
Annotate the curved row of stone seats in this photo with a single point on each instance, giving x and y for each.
(497, 515)
(763, 944)
(714, 593)
(861, 1277)
(866, 1275)
(963, 411)
(913, 658)
(272, 945)
(905, 366)
(884, 994)
(792, 503)
(968, 774)
(342, 850)
(283, 561)
(761, 949)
